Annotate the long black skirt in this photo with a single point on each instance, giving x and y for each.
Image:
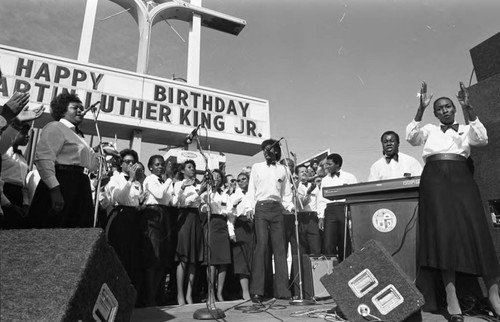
(78, 211)
(244, 246)
(189, 237)
(453, 227)
(220, 247)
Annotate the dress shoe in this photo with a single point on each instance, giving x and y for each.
(256, 298)
(457, 318)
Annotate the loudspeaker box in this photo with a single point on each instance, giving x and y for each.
(370, 285)
(62, 275)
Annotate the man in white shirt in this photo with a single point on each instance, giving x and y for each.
(332, 213)
(393, 164)
(269, 193)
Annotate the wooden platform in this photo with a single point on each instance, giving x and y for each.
(243, 311)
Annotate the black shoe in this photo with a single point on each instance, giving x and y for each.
(457, 318)
(256, 298)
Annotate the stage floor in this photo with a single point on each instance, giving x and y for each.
(242, 311)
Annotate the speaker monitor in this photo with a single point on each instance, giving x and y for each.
(486, 58)
(313, 268)
(369, 284)
(62, 275)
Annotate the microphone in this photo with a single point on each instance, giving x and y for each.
(191, 135)
(270, 147)
(91, 108)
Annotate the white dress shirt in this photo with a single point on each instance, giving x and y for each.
(309, 201)
(124, 192)
(435, 141)
(159, 193)
(381, 170)
(59, 144)
(14, 171)
(187, 198)
(269, 182)
(332, 181)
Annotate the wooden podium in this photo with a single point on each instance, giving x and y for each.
(385, 211)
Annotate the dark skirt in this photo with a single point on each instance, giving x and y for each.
(220, 247)
(125, 236)
(453, 227)
(14, 193)
(244, 246)
(78, 211)
(153, 230)
(189, 237)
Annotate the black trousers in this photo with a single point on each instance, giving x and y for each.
(269, 225)
(335, 232)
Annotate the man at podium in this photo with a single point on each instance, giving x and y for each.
(393, 164)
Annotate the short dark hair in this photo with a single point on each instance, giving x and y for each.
(389, 133)
(188, 161)
(131, 152)
(59, 105)
(298, 167)
(276, 147)
(336, 158)
(442, 98)
(152, 158)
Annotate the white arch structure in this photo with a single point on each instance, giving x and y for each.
(148, 13)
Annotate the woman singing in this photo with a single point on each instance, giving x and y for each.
(63, 199)
(454, 233)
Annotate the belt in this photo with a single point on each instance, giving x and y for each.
(445, 157)
(69, 167)
(307, 213)
(267, 202)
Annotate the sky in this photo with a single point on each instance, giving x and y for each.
(336, 73)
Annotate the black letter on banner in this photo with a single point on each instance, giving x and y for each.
(122, 101)
(41, 91)
(206, 120)
(244, 108)
(196, 97)
(136, 108)
(164, 114)
(28, 67)
(240, 131)
(231, 108)
(44, 72)
(159, 94)
(184, 117)
(151, 109)
(111, 103)
(207, 100)
(21, 86)
(219, 123)
(3, 87)
(251, 128)
(78, 76)
(182, 97)
(219, 105)
(61, 72)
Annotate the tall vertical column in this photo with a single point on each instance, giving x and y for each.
(194, 48)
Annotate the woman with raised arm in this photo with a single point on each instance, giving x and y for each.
(453, 230)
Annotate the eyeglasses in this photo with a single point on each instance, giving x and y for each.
(129, 162)
(233, 180)
(240, 180)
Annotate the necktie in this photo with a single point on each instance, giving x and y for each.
(79, 132)
(269, 163)
(335, 174)
(388, 158)
(445, 127)
(127, 177)
(161, 180)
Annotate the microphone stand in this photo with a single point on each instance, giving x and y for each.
(210, 312)
(301, 300)
(99, 172)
